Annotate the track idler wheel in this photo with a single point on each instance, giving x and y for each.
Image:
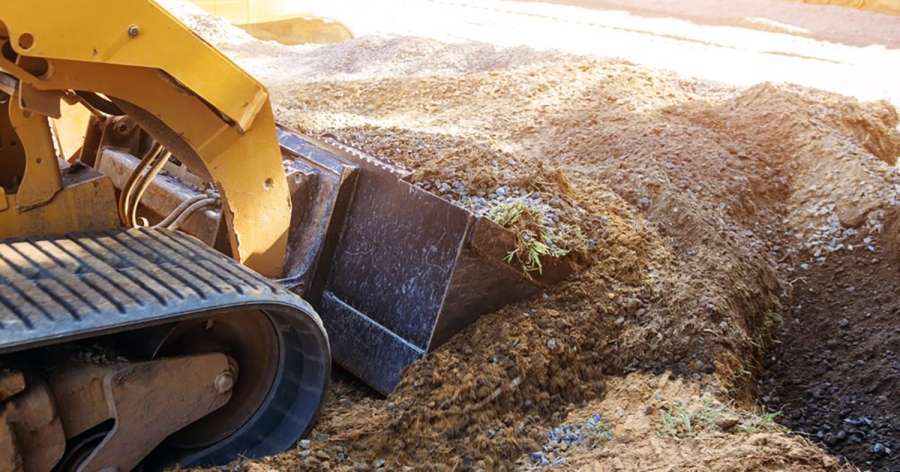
(281, 372)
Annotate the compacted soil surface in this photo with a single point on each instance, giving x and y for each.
(735, 301)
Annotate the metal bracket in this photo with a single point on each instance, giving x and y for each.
(191, 386)
(8, 83)
(38, 101)
(42, 179)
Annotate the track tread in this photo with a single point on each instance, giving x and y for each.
(81, 285)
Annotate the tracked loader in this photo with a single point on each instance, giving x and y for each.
(163, 244)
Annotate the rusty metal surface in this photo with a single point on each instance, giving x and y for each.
(187, 386)
(12, 381)
(79, 393)
(251, 343)
(80, 449)
(87, 393)
(38, 433)
(10, 459)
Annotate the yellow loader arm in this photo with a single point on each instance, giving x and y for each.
(194, 101)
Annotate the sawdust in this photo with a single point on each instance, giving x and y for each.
(701, 202)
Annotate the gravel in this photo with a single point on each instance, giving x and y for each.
(832, 221)
(567, 436)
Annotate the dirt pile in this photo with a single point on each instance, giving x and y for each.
(702, 205)
(835, 368)
(722, 178)
(652, 423)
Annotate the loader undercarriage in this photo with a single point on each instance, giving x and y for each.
(208, 338)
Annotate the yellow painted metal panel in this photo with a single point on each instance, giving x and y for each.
(87, 206)
(246, 168)
(130, 32)
(71, 128)
(244, 164)
(42, 179)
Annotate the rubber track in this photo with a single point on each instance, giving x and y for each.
(75, 286)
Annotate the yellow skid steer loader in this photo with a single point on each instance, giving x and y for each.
(163, 272)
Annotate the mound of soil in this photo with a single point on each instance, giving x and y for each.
(702, 203)
(652, 423)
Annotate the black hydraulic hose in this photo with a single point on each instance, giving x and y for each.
(100, 103)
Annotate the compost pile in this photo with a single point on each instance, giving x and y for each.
(732, 240)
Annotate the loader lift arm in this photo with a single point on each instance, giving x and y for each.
(201, 358)
(203, 108)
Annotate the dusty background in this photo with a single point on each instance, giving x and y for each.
(742, 273)
(738, 42)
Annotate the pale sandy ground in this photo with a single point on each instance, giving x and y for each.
(737, 42)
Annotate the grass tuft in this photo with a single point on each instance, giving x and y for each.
(538, 234)
(759, 420)
(681, 419)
